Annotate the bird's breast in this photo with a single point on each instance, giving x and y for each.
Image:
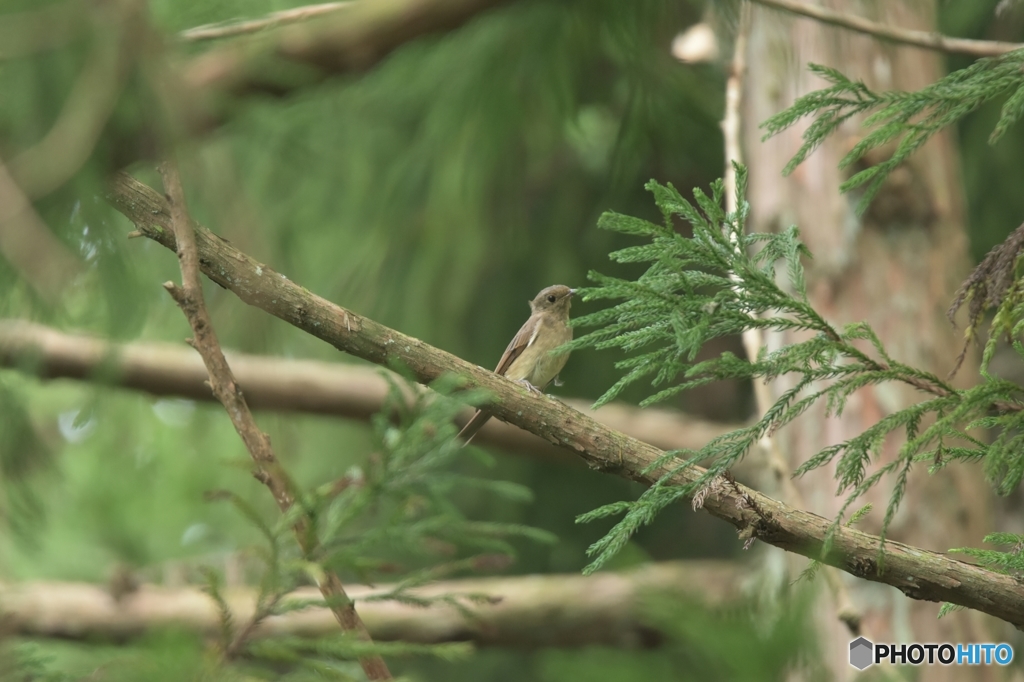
(537, 365)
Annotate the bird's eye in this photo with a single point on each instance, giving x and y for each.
(551, 298)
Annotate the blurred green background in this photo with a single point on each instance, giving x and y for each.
(436, 194)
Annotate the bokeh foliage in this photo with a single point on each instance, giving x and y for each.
(436, 194)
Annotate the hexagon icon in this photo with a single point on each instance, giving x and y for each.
(861, 651)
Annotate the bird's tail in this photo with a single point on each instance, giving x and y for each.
(475, 423)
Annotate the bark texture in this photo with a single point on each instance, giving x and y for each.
(896, 267)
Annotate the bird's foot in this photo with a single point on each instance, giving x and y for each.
(530, 387)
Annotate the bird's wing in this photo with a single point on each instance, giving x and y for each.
(520, 342)
(526, 335)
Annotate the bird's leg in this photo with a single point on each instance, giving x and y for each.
(530, 387)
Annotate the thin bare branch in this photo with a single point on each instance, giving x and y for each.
(918, 573)
(731, 121)
(353, 42)
(230, 29)
(269, 471)
(926, 39)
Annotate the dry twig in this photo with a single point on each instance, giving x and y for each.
(269, 471)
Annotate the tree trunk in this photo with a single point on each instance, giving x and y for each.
(896, 267)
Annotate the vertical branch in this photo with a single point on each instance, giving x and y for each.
(733, 99)
(189, 297)
(731, 125)
(753, 339)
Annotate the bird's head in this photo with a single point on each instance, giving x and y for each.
(556, 298)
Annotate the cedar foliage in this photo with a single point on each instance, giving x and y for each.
(907, 119)
(722, 281)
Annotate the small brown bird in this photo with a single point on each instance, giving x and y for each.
(528, 359)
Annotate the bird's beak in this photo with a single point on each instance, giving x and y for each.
(572, 292)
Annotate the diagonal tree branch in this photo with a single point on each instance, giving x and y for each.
(71, 140)
(926, 39)
(918, 573)
(27, 243)
(269, 471)
(328, 388)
